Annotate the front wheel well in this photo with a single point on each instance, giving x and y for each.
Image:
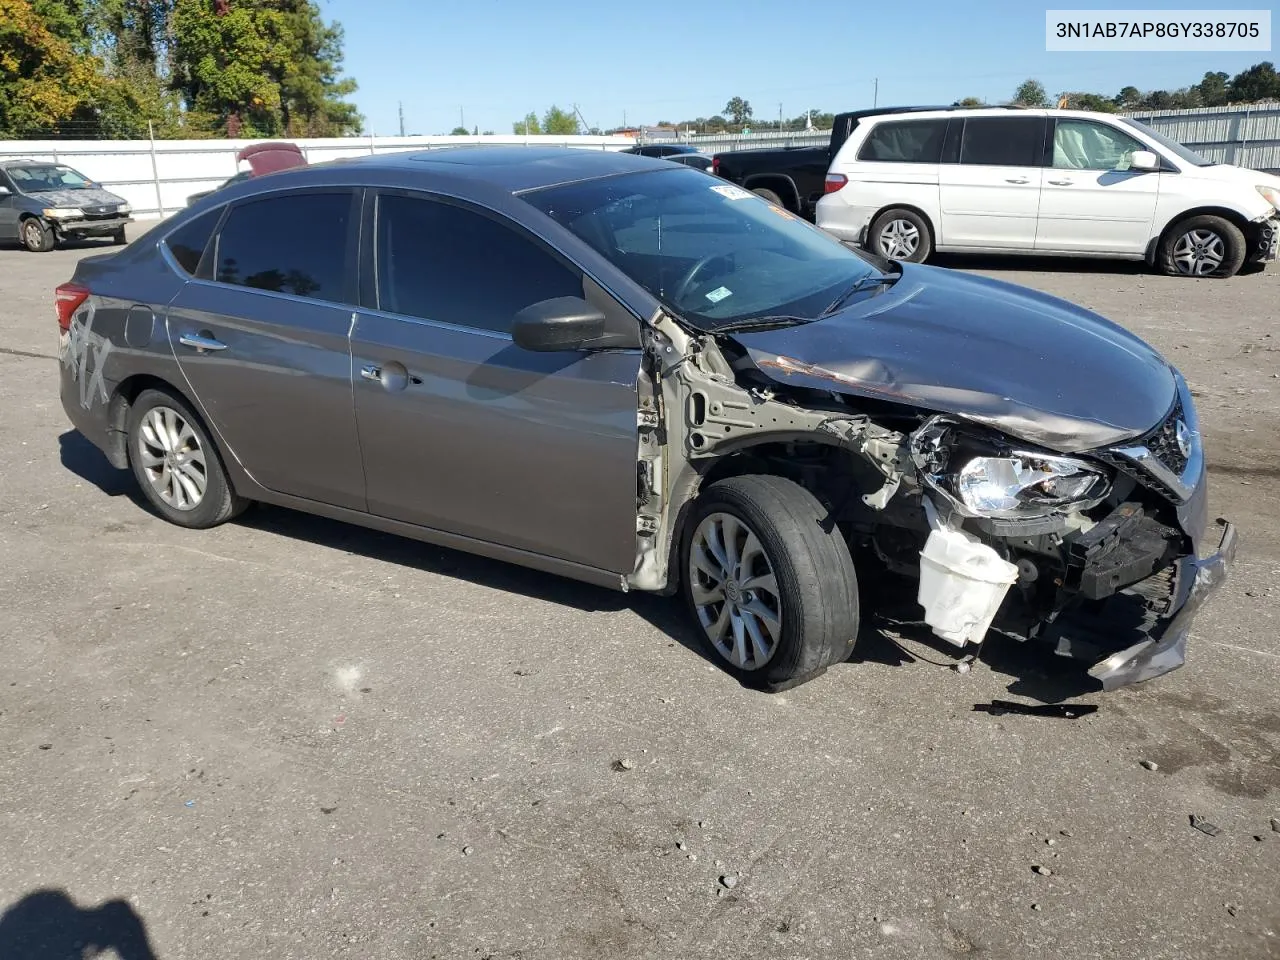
(1226, 213)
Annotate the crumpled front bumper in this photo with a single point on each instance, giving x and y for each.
(1165, 648)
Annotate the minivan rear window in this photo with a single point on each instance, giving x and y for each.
(905, 141)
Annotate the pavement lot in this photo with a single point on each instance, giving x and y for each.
(289, 738)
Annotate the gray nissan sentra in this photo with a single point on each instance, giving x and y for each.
(640, 376)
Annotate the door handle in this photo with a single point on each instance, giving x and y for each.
(1062, 183)
(198, 341)
(1016, 180)
(371, 372)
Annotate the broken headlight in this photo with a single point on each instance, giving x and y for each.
(1027, 484)
(982, 475)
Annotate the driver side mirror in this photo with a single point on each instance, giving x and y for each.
(1144, 161)
(4, 191)
(563, 323)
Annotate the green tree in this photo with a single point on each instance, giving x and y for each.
(739, 110)
(1088, 101)
(1030, 93)
(559, 122)
(261, 67)
(1214, 89)
(45, 80)
(529, 125)
(1129, 98)
(970, 102)
(459, 132)
(1259, 82)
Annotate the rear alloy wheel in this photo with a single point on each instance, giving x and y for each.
(1205, 246)
(901, 235)
(773, 593)
(176, 463)
(37, 236)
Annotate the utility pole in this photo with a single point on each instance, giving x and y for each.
(402, 119)
(779, 118)
(875, 97)
(462, 119)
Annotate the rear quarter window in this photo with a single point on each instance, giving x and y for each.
(187, 244)
(904, 141)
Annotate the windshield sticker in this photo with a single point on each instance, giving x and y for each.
(719, 293)
(731, 192)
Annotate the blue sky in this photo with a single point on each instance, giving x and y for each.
(496, 60)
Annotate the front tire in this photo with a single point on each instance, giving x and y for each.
(1203, 246)
(176, 463)
(773, 593)
(901, 234)
(37, 236)
(118, 238)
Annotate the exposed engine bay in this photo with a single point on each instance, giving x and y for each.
(1093, 555)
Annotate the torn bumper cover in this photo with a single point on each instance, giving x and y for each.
(1164, 648)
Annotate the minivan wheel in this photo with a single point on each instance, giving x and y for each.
(176, 463)
(1203, 246)
(901, 235)
(766, 194)
(773, 593)
(37, 236)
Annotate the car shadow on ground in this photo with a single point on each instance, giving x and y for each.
(890, 633)
(90, 464)
(1101, 266)
(48, 924)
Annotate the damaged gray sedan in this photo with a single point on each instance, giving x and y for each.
(640, 376)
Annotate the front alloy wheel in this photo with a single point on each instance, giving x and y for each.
(1199, 253)
(735, 591)
(769, 581)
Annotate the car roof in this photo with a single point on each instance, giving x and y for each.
(511, 169)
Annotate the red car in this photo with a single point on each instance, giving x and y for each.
(266, 157)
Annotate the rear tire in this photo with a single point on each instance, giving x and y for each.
(901, 234)
(1203, 246)
(176, 463)
(773, 594)
(767, 194)
(37, 236)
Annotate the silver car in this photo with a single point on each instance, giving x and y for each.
(621, 370)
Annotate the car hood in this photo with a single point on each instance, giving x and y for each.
(1242, 176)
(1030, 365)
(93, 197)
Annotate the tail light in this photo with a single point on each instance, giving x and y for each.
(67, 300)
(715, 165)
(834, 182)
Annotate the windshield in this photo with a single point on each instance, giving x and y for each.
(1173, 146)
(46, 177)
(712, 252)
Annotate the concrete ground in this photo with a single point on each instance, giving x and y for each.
(290, 738)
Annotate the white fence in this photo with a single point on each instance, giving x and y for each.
(156, 177)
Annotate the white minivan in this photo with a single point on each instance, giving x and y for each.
(1048, 182)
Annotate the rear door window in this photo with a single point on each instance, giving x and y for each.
(294, 243)
(905, 141)
(1003, 141)
(443, 262)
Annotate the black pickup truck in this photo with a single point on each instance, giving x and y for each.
(794, 177)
